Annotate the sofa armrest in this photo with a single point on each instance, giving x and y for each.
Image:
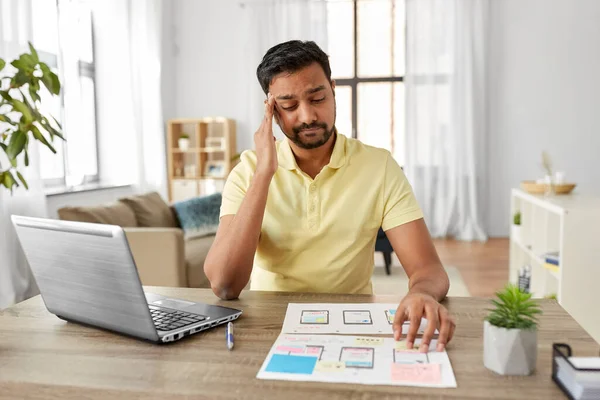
(159, 255)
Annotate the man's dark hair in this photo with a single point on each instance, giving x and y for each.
(290, 57)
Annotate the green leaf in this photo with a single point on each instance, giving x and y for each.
(34, 94)
(23, 181)
(514, 309)
(26, 158)
(57, 123)
(5, 95)
(48, 127)
(20, 79)
(34, 53)
(34, 88)
(38, 135)
(50, 80)
(16, 144)
(19, 106)
(32, 108)
(25, 63)
(5, 118)
(29, 60)
(2, 64)
(55, 83)
(8, 180)
(19, 64)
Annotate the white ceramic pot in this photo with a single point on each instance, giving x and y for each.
(515, 233)
(183, 143)
(509, 351)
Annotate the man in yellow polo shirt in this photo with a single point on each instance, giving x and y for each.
(302, 214)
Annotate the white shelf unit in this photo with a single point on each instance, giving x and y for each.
(569, 224)
(212, 143)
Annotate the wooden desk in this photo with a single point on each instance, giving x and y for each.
(42, 356)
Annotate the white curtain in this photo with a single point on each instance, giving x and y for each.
(446, 127)
(128, 67)
(16, 281)
(145, 43)
(270, 22)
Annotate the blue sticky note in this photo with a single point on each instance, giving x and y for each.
(361, 364)
(289, 364)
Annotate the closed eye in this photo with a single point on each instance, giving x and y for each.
(295, 105)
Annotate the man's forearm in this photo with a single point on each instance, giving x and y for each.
(230, 260)
(430, 280)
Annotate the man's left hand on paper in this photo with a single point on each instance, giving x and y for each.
(418, 305)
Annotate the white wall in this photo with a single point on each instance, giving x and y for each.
(544, 95)
(207, 42)
(544, 85)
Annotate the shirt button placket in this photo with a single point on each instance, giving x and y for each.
(312, 206)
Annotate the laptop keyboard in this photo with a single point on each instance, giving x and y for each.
(166, 320)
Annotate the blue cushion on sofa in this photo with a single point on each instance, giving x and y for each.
(199, 216)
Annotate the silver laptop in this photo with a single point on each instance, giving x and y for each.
(86, 274)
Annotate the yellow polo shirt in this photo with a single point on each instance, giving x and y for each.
(319, 235)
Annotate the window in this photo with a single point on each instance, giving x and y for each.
(63, 36)
(367, 55)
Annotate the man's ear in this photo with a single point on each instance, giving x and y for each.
(333, 86)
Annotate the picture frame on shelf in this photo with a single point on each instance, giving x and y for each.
(214, 169)
(178, 168)
(216, 142)
(190, 171)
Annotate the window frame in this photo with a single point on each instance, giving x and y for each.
(85, 69)
(356, 80)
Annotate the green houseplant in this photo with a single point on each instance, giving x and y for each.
(510, 333)
(20, 117)
(517, 218)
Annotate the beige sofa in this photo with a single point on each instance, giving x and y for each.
(162, 255)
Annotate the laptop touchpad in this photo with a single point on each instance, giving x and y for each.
(172, 303)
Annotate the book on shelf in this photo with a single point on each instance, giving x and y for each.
(551, 267)
(552, 257)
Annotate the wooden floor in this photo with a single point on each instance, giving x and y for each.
(483, 266)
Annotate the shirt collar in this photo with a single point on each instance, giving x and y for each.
(288, 161)
(285, 156)
(338, 156)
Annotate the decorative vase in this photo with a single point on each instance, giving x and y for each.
(183, 143)
(509, 351)
(515, 233)
(549, 188)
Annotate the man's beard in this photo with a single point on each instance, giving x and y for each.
(297, 139)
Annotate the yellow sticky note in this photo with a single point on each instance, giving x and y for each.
(330, 366)
(401, 346)
(360, 341)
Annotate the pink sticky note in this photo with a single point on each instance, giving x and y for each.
(289, 349)
(417, 373)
